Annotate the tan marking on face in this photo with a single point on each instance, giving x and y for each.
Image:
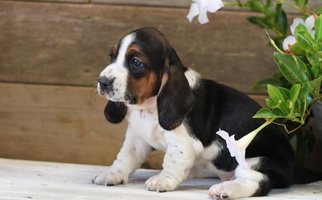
(134, 48)
(147, 86)
(143, 88)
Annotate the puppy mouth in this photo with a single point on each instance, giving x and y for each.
(110, 94)
(106, 92)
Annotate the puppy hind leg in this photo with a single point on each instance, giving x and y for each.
(248, 183)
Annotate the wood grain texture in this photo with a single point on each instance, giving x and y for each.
(53, 43)
(187, 3)
(55, 123)
(22, 179)
(55, 1)
(167, 3)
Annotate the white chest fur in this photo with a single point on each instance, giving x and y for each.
(143, 123)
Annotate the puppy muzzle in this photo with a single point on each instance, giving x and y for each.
(105, 85)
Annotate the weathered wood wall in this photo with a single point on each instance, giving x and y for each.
(51, 54)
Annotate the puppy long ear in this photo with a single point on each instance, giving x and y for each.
(115, 111)
(176, 99)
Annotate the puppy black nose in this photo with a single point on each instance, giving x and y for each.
(105, 82)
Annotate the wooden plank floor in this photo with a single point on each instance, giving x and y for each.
(20, 179)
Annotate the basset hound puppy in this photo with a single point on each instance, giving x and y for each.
(172, 108)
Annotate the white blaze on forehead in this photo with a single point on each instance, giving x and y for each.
(124, 45)
(118, 70)
(120, 58)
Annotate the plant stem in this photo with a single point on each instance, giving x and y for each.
(247, 139)
(232, 4)
(273, 43)
(292, 6)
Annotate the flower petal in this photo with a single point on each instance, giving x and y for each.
(193, 12)
(289, 40)
(235, 148)
(230, 142)
(296, 22)
(214, 5)
(241, 159)
(309, 23)
(203, 19)
(312, 33)
(201, 7)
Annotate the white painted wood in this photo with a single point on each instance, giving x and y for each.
(20, 179)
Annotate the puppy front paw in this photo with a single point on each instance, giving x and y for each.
(160, 184)
(110, 177)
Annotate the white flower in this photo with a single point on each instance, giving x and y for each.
(309, 23)
(237, 149)
(201, 7)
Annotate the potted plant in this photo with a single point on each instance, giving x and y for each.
(300, 66)
(297, 87)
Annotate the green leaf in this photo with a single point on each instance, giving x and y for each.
(283, 107)
(316, 62)
(269, 4)
(255, 6)
(262, 84)
(270, 103)
(280, 19)
(304, 38)
(315, 87)
(303, 99)
(274, 93)
(297, 49)
(285, 92)
(304, 91)
(301, 27)
(318, 11)
(318, 28)
(316, 70)
(315, 58)
(279, 114)
(265, 113)
(278, 99)
(262, 22)
(294, 93)
(301, 3)
(292, 68)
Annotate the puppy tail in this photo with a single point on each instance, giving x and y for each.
(303, 175)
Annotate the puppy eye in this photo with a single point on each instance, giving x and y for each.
(136, 64)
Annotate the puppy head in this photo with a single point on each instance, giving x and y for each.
(139, 63)
(136, 67)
